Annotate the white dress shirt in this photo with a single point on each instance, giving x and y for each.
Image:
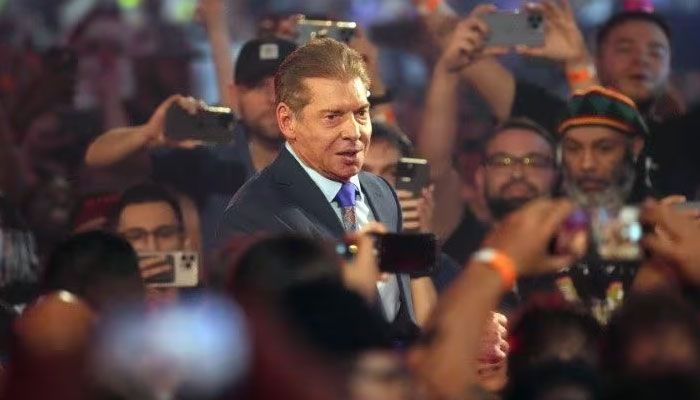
(389, 290)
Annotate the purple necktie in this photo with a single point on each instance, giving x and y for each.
(346, 201)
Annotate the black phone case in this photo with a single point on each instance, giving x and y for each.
(412, 175)
(207, 126)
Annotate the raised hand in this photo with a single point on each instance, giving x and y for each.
(674, 240)
(362, 273)
(417, 212)
(525, 236)
(467, 43)
(155, 127)
(563, 39)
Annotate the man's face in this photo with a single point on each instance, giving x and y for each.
(598, 164)
(518, 167)
(151, 227)
(635, 59)
(257, 108)
(332, 132)
(381, 159)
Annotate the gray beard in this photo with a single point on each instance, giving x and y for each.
(613, 196)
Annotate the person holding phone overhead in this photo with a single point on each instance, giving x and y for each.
(208, 174)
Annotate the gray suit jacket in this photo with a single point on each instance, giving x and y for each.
(282, 198)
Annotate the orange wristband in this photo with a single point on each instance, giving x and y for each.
(580, 75)
(501, 263)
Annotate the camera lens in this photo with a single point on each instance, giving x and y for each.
(535, 20)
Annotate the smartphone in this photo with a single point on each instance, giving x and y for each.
(308, 29)
(407, 252)
(617, 233)
(399, 252)
(211, 125)
(182, 271)
(513, 28)
(413, 175)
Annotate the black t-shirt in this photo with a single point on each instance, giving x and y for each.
(673, 146)
(209, 175)
(466, 238)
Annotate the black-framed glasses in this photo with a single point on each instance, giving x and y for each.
(161, 233)
(534, 161)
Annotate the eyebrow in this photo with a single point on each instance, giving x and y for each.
(623, 40)
(658, 45)
(607, 141)
(340, 110)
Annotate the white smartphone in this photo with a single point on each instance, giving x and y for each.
(182, 271)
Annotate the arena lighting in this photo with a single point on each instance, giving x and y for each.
(129, 4)
(638, 5)
(593, 12)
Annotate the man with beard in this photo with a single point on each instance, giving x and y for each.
(209, 174)
(633, 52)
(518, 166)
(519, 154)
(602, 135)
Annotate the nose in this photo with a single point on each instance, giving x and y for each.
(517, 170)
(641, 57)
(351, 129)
(151, 244)
(588, 161)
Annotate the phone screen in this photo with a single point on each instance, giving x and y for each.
(407, 252)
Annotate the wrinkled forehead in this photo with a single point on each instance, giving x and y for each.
(518, 142)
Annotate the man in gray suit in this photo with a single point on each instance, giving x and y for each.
(315, 186)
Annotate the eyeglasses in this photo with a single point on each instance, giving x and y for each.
(534, 161)
(161, 233)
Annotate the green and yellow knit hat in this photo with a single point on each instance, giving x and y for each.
(603, 107)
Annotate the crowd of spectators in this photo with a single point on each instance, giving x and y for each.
(139, 264)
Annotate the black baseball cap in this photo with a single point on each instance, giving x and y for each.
(260, 58)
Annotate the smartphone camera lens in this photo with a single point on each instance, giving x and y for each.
(535, 20)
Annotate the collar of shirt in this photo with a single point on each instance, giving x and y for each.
(329, 187)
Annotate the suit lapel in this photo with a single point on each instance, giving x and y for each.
(378, 203)
(303, 192)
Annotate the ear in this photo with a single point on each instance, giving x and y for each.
(637, 146)
(286, 119)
